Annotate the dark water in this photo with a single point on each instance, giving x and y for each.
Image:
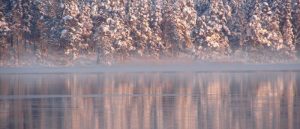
(244, 100)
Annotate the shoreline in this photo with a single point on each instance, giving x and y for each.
(133, 68)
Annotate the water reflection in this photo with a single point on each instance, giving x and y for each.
(150, 101)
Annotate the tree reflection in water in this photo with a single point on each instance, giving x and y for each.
(268, 100)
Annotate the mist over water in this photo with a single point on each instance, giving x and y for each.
(157, 100)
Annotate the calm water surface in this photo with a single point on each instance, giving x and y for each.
(243, 100)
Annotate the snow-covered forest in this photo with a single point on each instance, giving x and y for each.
(113, 31)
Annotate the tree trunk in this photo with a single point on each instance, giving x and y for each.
(298, 47)
(41, 49)
(25, 43)
(1, 54)
(98, 55)
(17, 51)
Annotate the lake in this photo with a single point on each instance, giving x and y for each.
(151, 100)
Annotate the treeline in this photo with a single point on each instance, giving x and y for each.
(116, 30)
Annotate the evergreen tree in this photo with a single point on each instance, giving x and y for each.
(4, 32)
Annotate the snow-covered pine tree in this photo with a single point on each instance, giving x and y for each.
(71, 30)
(86, 25)
(157, 47)
(4, 33)
(287, 29)
(186, 20)
(111, 35)
(169, 28)
(17, 31)
(211, 30)
(260, 31)
(296, 23)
